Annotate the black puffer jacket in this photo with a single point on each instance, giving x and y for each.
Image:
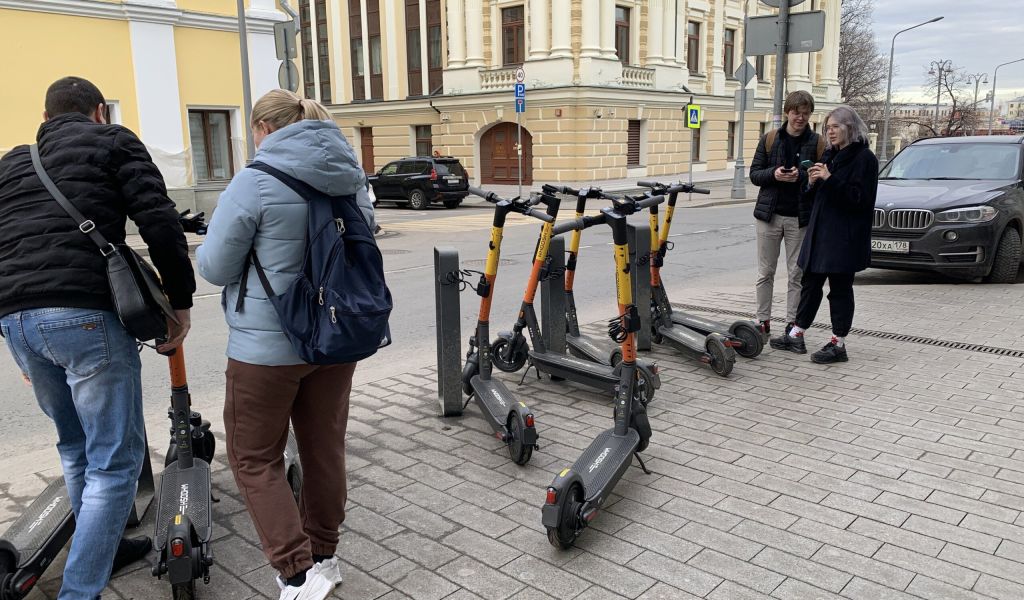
(106, 172)
(762, 174)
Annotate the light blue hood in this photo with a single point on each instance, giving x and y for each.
(317, 153)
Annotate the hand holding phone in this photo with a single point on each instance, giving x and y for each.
(806, 164)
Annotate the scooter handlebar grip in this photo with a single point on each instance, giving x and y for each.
(539, 214)
(488, 196)
(649, 184)
(698, 190)
(649, 202)
(570, 225)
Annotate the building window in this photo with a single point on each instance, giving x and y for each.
(210, 133)
(424, 140)
(435, 64)
(693, 47)
(513, 35)
(730, 143)
(759, 69)
(729, 53)
(413, 46)
(376, 63)
(633, 144)
(355, 25)
(695, 144)
(323, 51)
(761, 129)
(376, 59)
(622, 34)
(308, 77)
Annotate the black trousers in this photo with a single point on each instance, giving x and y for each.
(840, 300)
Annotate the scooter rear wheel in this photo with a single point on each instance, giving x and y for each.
(517, 450)
(722, 357)
(506, 359)
(753, 341)
(183, 591)
(564, 535)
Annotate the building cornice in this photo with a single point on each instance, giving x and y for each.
(149, 11)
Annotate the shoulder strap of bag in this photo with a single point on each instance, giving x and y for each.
(769, 140)
(85, 225)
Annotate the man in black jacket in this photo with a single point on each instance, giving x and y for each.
(56, 311)
(780, 213)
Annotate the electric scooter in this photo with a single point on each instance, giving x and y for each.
(579, 345)
(577, 493)
(711, 349)
(510, 419)
(511, 350)
(743, 335)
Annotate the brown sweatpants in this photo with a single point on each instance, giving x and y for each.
(260, 400)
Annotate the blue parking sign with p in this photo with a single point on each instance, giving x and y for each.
(693, 116)
(520, 90)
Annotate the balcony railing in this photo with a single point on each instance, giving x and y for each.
(637, 76)
(498, 79)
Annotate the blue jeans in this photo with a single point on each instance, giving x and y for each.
(87, 377)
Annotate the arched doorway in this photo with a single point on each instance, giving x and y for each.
(499, 162)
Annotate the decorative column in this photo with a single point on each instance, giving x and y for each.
(608, 29)
(796, 73)
(456, 33)
(829, 56)
(668, 32)
(655, 31)
(538, 15)
(591, 38)
(561, 35)
(474, 33)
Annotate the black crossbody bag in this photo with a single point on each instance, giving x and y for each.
(138, 296)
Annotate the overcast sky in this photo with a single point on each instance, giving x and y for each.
(974, 35)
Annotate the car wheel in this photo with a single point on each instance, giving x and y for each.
(418, 200)
(452, 203)
(1006, 262)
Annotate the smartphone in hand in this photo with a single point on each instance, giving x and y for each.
(806, 164)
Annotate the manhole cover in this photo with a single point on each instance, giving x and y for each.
(483, 261)
(391, 251)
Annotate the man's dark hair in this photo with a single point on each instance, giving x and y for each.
(72, 95)
(799, 100)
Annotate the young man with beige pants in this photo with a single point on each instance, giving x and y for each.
(780, 213)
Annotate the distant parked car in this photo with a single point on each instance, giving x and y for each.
(421, 180)
(952, 205)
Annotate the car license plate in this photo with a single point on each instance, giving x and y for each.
(452, 179)
(897, 246)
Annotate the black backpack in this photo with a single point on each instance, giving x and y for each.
(337, 308)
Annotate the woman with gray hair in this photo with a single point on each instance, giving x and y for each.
(837, 244)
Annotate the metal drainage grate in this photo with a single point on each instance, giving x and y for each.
(393, 251)
(885, 335)
(483, 261)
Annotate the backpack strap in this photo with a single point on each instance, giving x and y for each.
(769, 140)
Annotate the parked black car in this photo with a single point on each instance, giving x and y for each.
(952, 205)
(420, 180)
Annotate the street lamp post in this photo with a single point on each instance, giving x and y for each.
(938, 68)
(888, 91)
(992, 106)
(977, 78)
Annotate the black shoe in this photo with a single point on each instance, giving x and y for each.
(790, 343)
(830, 353)
(130, 550)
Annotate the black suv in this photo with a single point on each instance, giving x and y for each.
(952, 205)
(420, 180)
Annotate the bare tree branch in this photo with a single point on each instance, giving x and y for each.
(862, 68)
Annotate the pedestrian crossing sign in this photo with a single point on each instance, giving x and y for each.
(693, 116)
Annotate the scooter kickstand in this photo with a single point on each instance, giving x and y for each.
(642, 465)
(527, 372)
(468, 400)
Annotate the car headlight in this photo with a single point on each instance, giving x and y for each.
(967, 214)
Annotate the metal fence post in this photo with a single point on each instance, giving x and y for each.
(552, 298)
(449, 335)
(640, 268)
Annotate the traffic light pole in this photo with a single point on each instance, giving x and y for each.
(780, 64)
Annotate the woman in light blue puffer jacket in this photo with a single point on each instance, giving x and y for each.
(267, 383)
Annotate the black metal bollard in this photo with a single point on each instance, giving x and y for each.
(640, 267)
(449, 331)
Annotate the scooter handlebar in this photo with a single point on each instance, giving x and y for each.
(649, 202)
(684, 188)
(488, 196)
(574, 224)
(650, 184)
(539, 214)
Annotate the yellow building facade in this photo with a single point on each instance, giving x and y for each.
(170, 70)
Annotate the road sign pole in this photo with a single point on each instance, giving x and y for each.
(520, 102)
(739, 184)
(243, 43)
(689, 172)
(780, 64)
(519, 151)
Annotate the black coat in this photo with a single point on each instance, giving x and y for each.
(762, 174)
(106, 172)
(838, 238)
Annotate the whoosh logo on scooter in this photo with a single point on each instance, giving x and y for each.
(183, 499)
(498, 397)
(600, 459)
(46, 512)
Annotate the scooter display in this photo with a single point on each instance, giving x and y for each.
(712, 349)
(511, 350)
(510, 419)
(743, 335)
(577, 493)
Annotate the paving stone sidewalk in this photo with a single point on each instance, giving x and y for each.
(899, 475)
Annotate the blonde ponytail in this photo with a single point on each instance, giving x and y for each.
(280, 108)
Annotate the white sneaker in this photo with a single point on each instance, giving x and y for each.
(330, 569)
(316, 588)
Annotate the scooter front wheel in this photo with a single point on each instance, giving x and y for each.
(518, 451)
(470, 369)
(564, 535)
(750, 336)
(508, 359)
(183, 591)
(722, 357)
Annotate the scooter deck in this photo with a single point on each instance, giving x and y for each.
(683, 337)
(599, 376)
(48, 520)
(188, 489)
(604, 462)
(589, 348)
(495, 399)
(704, 326)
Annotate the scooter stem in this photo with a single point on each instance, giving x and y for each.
(176, 363)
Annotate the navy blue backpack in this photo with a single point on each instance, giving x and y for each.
(337, 308)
